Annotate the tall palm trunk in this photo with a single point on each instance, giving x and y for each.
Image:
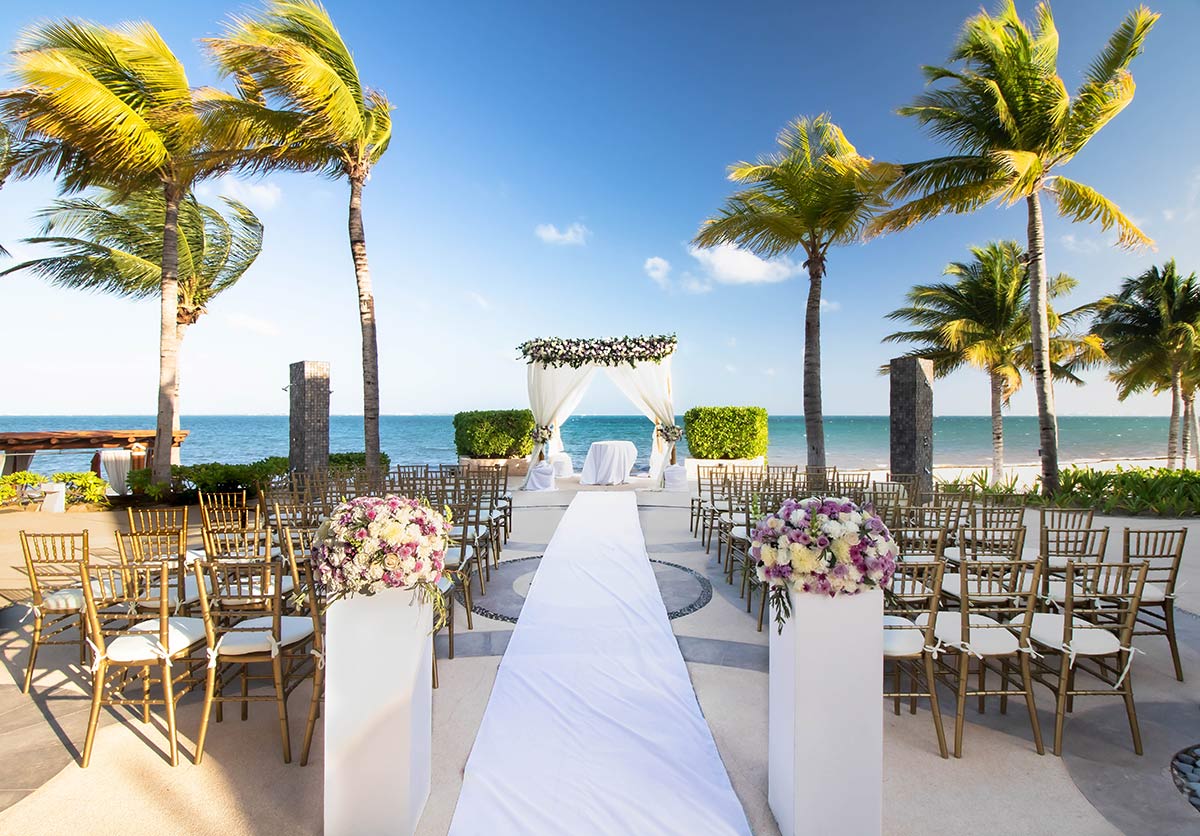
(168, 340)
(997, 428)
(180, 329)
(1195, 425)
(1176, 413)
(1040, 337)
(1185, 430)
(366, 315)
(814, 421)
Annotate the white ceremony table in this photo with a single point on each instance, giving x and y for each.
(608, 463)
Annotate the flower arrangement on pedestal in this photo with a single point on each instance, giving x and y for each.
(542, 433)
(371, 543)
(821, 546)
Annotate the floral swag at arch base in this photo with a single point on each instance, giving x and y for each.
(560, 370)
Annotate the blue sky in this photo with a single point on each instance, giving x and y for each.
(548, 159)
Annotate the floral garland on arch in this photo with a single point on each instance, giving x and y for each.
(608, 351)
(371, 543)
(821, 546)
(670, 433)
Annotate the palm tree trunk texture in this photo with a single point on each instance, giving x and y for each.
(997, 428)
(1185, 432)
(814, 420)
(1043, 384)
(366, 315)
(1176, 417)
(180, 329)
(1195, 424)
(168, 341)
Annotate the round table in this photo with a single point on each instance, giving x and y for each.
(608, 463)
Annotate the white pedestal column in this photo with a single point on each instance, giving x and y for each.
(825, 723)
(378, 714)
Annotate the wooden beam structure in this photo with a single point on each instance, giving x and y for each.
(41, 441)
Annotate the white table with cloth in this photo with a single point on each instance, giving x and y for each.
(608, 463)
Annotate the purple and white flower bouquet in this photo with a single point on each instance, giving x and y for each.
(372, 543)
(821, 546)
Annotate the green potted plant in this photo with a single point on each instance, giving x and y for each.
(495, 436)
(730, 435)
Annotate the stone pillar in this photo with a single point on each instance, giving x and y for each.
(912, 419)
(308, 451)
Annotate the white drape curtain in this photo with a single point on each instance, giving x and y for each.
(648, 386)
(116, 464)
(554, 392)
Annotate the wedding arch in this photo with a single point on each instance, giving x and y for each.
(559, 373)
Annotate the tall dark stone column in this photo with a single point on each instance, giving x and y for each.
(308, 451)
(912, 419)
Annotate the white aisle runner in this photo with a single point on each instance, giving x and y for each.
(593, 726)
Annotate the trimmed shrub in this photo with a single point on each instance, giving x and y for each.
(494, 433)
(83, 487)
(349, 461)
(1144, 490)
(726, 432)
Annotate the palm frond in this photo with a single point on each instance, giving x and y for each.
(1078, 202)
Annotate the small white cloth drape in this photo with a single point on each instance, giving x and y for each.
(116, 464)
(554, 392)
(648, 386)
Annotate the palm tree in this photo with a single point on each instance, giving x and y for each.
(981, 319)
(815, 192)
(98, 106)
(114, 244)
(1151, 331)
(303, 106)
(1011, 124)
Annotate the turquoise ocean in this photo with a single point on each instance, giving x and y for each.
(852, 441)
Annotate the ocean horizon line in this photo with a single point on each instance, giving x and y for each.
(16, 415)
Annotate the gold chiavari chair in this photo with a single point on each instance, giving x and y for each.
(909, 647)
(736, 481)
(154, 547)
(1162, 551)
(853, 484)
(820, 481)
(1066, 517)
(245, 624)
(734, 527)
(943, 517)
(52, 564)
(1062, 546)
(887, 499)
(707, 477)
(239, 544)
(463, 556)
(974, 635)
(146, 646)
(216, 501)
(986, 544)
(296, 543)
(1092, 635)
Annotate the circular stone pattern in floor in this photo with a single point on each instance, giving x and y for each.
(683, 590)
(1185, 769)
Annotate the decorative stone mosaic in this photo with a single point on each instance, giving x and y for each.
(683, 590)
(1185, 769)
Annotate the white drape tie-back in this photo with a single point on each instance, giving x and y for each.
(319, 656)
(937, 650)
(966, 648)
(97, 656)
(34, 609)
(1072, 654)
(1033, 654)
(1128, 662)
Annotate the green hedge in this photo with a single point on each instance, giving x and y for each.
(1144, 490)
(726, 432)
(494, 433)
(352, 461)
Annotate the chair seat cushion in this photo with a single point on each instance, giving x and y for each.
(182, 633)
(253, 635)
(1057, 591)
(902, 637)
(71, 597)
(1086, 638)
(953, 554)
(952, 585)
(987, 640)
(1152, 593)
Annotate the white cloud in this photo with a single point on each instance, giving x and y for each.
(732, 369)
(261, 196)
(1073, 243)
(479, 299)
(830, 306)
(575, 235)
(693, 285)
(251, 324)
(659, 271)
(728, 264)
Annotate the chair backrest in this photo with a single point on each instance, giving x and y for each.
(916, 589)
(920, 544)
(944, 517)
(235, 591)
(1001, 590)
(158, 519)
(221, 499)
(1161, 549)
(1081, 545)
(238, 544)
(229, 519)
(997, 516)
(820, 480)
(1066, 517)
(52, 560)
(1103, 596)
(988, 544)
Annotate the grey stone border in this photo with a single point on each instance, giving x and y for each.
(1185, 770)
(706, 593)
